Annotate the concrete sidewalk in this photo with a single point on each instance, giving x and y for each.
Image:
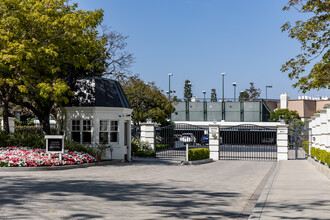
(296, 191)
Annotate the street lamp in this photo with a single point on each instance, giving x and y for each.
(266, 90)
(223, 95)
(204, 92)
(169, 86)
(234, 84)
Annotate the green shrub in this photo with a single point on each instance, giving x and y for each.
(321, 155)
(312, 151)
(22, 139)
(145, 153)
(305, 146)
(74, 146)
(198, 154)
(317, 153)
(32, 130)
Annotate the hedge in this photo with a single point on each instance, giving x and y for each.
(321, 155)
(198, 154)
(305, 146)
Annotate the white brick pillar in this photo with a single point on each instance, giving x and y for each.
(282, 142)
(214, 141)
(148, 134)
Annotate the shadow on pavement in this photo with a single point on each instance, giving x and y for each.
(159, 200)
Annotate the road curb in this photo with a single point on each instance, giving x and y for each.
(258, 209)
(53, 168)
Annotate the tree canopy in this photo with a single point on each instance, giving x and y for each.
(187, 90)
(313, 34)
(214, 95)
(250, 93)
(46, 45)
(147, 101)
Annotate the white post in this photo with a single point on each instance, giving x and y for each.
(282, 142)
(187, 152)
(148, 134)
(214, 141)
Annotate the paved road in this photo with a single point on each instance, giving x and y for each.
(298, 191)
(153, 189)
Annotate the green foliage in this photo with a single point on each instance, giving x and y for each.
(187, 91)
(252, 92)
(321, 155)
(145, 153)
(214, 95)
(243, 96)
(317, 153)
(305, 146)
(312, 151)
(74, 146)
(141, 149)
(44, 46)
(147, 101)
(32, 130)
(290, 117)
(313, 35)
(198, 154)
(22, 139)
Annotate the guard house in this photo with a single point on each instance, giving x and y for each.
(99, 114)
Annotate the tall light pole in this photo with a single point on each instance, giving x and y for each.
(169, 86)
(266, 90)
(204, 107)
(234, 84)
(223, 95)
(223, 86)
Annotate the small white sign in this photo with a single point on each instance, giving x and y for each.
(54, 143)
(282, 130)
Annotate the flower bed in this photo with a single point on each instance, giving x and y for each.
(33, 157)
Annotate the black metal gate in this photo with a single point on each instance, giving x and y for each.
(298, 143)
(171, 141)
(248, 142)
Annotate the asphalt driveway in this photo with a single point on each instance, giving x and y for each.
(145, 189)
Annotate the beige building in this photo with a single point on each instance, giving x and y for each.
(305, 106)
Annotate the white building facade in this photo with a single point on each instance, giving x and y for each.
(100, 116)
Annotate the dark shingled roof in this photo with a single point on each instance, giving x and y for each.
(98, 92)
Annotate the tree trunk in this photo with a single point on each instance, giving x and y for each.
(45, 123)
(5, 116)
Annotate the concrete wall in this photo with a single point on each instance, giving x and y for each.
(320, 126)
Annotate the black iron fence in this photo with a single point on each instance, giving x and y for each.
(171, 141)
(248, 142)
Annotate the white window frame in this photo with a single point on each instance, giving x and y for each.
(82, 130)
(110, 130)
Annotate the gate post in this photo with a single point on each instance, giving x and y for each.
(282, 142)
(214, 141)
(148, 134)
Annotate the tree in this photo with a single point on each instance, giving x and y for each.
(147, 101)
(213, 95)
(45, 46)
(284, 114)
(291, 118)
(243, 96)
(187, 91)
(313, 34)
(253, 92)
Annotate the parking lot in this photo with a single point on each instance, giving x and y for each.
(144, 189)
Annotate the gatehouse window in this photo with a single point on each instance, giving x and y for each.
(104, 132)
(114, 131)
(87, 132)
(75, 131)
